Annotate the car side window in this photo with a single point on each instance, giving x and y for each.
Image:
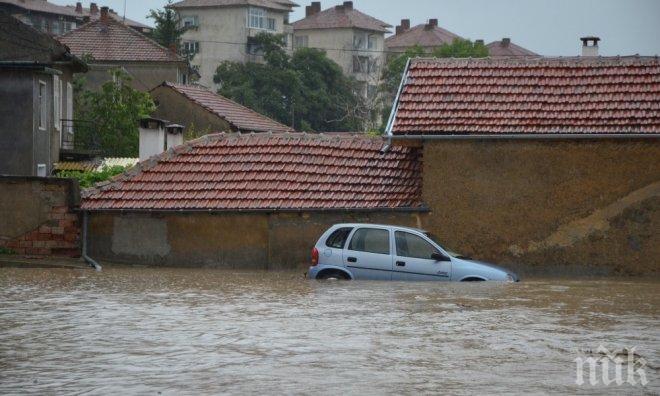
(370, 240)
(338, 238)
(413, 246)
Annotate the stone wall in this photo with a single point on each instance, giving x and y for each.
(277, 241)
(37, 216)
(548, 207)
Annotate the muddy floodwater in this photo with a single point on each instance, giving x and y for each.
(177, 331)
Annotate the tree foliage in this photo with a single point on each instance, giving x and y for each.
(111, 116)
(167, 31)
(89, 179)
(307, 90)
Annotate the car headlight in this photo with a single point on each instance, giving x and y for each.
(510, 278)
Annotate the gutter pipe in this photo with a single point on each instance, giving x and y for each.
(92, 263)
(395, 106)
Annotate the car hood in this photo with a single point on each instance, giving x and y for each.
(492, 266)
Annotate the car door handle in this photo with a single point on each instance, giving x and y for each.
(400, 263)
(351, 260)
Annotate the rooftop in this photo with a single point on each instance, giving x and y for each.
(425, 35)
(42, 6)
(340, 16)
(238, 116)
(595, 95)
(109, 40)
(271, 172)
(94, 13)
(505, 47)
(280, 5)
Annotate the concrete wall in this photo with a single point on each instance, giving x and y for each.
(16, 123)
(222, 35)
(37, 216)
(174, 107)
(548, 207)
(233, 241)
(145, 76)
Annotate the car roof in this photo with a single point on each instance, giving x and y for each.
(377, 225)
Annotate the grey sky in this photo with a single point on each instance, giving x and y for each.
(548, 27)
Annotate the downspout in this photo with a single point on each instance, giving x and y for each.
(92, 263)
(395, 106)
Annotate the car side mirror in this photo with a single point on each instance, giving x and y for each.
(439, 257)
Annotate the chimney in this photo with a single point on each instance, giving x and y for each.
(340, 8)
(174, 134)
(348, 5)
(479, 42)
(104, 14)
(93, 9)
(313, 9)
(152, 137)
(398, 30)
(505, 42)
(590, 45)
(405, 24)
(79, 8)
(433, 23)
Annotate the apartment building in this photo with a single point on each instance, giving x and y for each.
(352, 39)
(224, 30)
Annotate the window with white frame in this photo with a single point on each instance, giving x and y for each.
(359, 41)
(191, 47)
(69, 106)
(271, 24)
(190, 21)
(301, 41)
(57, 102)
(371, 42)
(257, 18)
(43, 110)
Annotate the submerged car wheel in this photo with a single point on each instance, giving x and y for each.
(332, 275)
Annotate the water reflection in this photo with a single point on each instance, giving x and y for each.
(201, 331)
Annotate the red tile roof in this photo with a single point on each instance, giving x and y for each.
(113, 41)
(268, 172)
(86, 12)
(505, 47)
(341, 17)
(42, 6)
(523, 95)
(422, 35)
(280, 5)
(241, 118)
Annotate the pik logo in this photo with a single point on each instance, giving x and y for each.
(607, 368)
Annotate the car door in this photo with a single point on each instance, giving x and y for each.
(413, 261)
(368, 253)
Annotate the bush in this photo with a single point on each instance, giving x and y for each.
(88, 179)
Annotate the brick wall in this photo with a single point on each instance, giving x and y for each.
(38, 217)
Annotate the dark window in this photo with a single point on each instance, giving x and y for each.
(338, 238)
(371, 240)
(413, 246)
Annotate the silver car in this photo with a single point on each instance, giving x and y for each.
(386, 252)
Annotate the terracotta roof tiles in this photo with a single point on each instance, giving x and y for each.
(110, 40)
(240, 117)
(422, 35)
(341, 17)
(505, 47)
(268, 172)
(522, 96)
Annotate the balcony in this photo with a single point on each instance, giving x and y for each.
(79, 141)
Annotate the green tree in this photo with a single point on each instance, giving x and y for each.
(307, 90)
(109, 117)
(167, 31)
(393, 72)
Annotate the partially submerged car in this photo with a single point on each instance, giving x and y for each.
(385, 252)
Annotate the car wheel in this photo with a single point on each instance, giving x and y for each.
(332, 275)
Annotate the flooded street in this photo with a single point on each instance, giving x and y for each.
(177, 331)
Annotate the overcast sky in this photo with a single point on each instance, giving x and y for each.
(548, 27)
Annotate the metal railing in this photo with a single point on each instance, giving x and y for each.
(79, 136)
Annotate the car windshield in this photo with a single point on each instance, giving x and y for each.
(449, 251)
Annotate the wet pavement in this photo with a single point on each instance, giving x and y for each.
(178, 331)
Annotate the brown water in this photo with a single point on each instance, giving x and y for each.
(151, 331)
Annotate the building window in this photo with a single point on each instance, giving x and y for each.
(191, 47)
(359, 41)
(254, 47)
(271, 23)
(364, 64)
(191, 21)
(257, 18)
(69, 26)
(42, 105)
(371, 42)
(301, 41)
(57, 102)
(69, 106)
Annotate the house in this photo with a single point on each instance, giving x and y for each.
(354, 40)
(505, 47)
(250, 201)
(203, 111)
(565, 149)
(224, 30)
(56, 19)
(36, 97)
(112, 45)
(429, 36)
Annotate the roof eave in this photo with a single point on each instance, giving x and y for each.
(523, 136)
